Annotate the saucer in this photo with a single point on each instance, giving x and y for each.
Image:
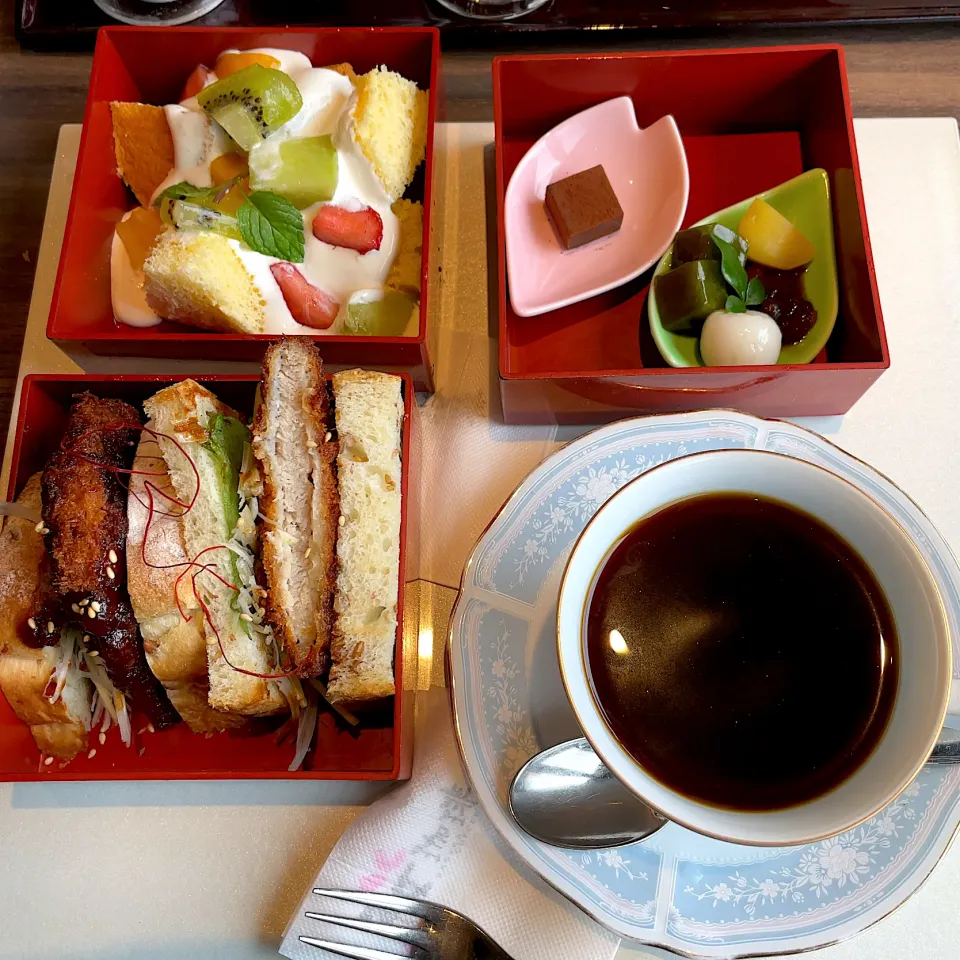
(676, 890)
(648, 172)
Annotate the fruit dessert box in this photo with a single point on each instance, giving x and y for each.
(151, 66)
(749, 119)
(380, 747)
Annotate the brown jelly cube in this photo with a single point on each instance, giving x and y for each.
(583, 207)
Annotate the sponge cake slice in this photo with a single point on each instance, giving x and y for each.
(390, 126)
(143, 145)
(197, 278)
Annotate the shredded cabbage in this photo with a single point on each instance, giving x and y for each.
(66, 657)
(345, 714)
(306, 727)
(108, 702)
(68, 667)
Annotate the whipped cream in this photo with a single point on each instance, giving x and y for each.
(328, 100)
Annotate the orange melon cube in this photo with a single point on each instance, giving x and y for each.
(772, 240)
(228, 63)
(139, 233)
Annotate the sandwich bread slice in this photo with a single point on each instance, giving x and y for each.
(59, 727)
(369, 416)
(218, 534)
(171, 621)
(299, 504)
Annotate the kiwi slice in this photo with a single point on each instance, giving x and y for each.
(185, 215)
(387, 317)
(251, 103)
(304, 169)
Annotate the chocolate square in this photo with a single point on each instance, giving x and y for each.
(583, 207)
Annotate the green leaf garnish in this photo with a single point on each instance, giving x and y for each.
(226, 437)
(272, 225)
(735, 305)
(755, 292)
(734, 239)
(731, 267)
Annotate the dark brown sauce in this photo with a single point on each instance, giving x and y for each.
(786, 301)
(758, 664)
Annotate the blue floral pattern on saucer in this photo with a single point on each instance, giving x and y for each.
(676, 890)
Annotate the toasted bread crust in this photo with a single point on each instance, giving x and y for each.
(300, 499)
(25, 671)
(143, 146)
(183, 410)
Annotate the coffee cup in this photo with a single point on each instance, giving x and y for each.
(924, 666)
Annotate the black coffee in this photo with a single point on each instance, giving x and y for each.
(742, 652)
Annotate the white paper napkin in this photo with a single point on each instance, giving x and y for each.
(429, 839)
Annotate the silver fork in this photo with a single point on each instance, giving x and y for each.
(438, 934)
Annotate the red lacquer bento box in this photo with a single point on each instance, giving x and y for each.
(750, 119)
(150, 64)
(381, 748)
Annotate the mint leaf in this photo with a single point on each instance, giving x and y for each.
(272, 225)
(735, 305)
(731, 267)
(755, 292)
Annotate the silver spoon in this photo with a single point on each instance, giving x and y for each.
(565, 796)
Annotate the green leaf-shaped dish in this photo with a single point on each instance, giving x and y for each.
(805, 201)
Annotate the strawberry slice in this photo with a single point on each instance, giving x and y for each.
(360, 230)
(196, 82)
(307, 304)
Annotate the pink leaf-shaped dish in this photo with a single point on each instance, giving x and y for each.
(648, 172)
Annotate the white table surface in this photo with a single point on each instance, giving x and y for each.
(204, 871)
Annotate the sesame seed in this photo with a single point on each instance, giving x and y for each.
(307, 552)
(49, 626)
(31, 623)
(312, 444)
(111, 574)
(75, 607)
(141, 731)
(84, 602)
(341, 520)
(86, 639)
(102, 738)
(92, 753)
(39, 527)
(48, 761)
(93, 653)
(95, 606)
(246, 618)
(328, 437)
(143, 750)
(112, 556)
(91, 613)
(150, 728)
